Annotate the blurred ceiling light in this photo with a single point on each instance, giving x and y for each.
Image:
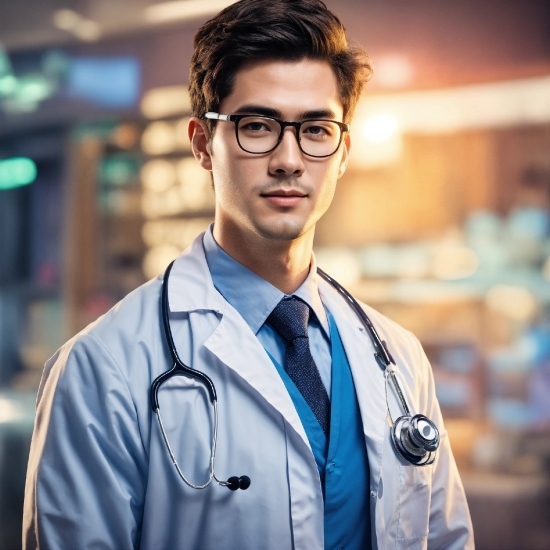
(392, 70)
(66, 20)
(380, 127)
(158, 138)
(87, 30)
(166, 101)
(179, 10)
(454, 262)
(158, 175)
(378, 141)
(512, 301)
(492, 105)
(70, 21)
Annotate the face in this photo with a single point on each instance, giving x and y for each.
(282, 194)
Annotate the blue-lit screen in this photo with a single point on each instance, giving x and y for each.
(109, 82)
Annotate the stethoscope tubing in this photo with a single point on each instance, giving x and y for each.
(381, 354)
(179, 367)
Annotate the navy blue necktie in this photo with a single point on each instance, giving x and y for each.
(290, 318)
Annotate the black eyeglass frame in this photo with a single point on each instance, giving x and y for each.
(283, 124)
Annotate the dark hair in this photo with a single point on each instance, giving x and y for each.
(290, 30)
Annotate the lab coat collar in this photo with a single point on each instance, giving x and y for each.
(237, 284)
(190, 288)
(190, 271)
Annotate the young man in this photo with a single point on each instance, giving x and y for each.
(303, 423)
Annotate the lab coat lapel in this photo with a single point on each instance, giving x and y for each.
(190, 288)
(235, 345)
(368, 378)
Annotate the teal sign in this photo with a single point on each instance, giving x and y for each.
(16, 172)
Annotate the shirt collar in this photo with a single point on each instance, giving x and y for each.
(251, 295)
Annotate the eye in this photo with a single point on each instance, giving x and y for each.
(255, 127)
(318, 130)
(315, 130)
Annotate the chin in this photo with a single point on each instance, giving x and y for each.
(281, 230)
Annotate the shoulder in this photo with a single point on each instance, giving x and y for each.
(403, 345)
(390, 331)
(135, 319)
(115, 340)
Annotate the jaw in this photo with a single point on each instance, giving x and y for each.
(273, 222)
(278, 226)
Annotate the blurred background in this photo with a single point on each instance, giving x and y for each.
(442, 221)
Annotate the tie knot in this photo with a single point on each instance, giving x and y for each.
(290, 318)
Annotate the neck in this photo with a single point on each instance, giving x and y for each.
(284, 264)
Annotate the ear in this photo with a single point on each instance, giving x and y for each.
(345, 155)
(199, 136)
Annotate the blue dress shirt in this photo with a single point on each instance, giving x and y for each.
(254, 298)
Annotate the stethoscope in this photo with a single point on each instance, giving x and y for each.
(415, 437)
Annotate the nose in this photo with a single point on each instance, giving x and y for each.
(287, 159)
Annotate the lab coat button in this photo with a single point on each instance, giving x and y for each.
(373, 494)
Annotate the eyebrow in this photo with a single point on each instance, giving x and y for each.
(275, 113)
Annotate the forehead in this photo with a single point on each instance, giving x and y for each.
(290, 87)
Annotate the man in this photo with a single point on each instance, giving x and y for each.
(302, 412)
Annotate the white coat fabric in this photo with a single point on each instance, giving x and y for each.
(99, 474)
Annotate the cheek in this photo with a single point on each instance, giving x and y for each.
(329, 179)
(222, 170)
(233, 176)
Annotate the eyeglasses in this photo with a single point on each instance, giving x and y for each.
(258, 134)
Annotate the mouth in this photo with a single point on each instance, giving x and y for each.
(285, 197)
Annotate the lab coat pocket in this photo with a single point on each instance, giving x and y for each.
(415, 484)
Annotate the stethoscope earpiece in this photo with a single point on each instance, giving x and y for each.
(234, 483)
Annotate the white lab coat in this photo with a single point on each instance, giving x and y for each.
(100, 476)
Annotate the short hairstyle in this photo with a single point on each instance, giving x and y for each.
(256, 30)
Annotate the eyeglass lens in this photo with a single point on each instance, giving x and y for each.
(318, 138)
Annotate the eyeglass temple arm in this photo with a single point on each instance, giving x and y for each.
(216, 116)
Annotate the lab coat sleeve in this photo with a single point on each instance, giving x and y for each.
(87, 467)
(450, 527)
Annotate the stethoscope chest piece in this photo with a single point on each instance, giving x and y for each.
(415, 438)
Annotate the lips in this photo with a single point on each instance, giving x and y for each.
(285, 198)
